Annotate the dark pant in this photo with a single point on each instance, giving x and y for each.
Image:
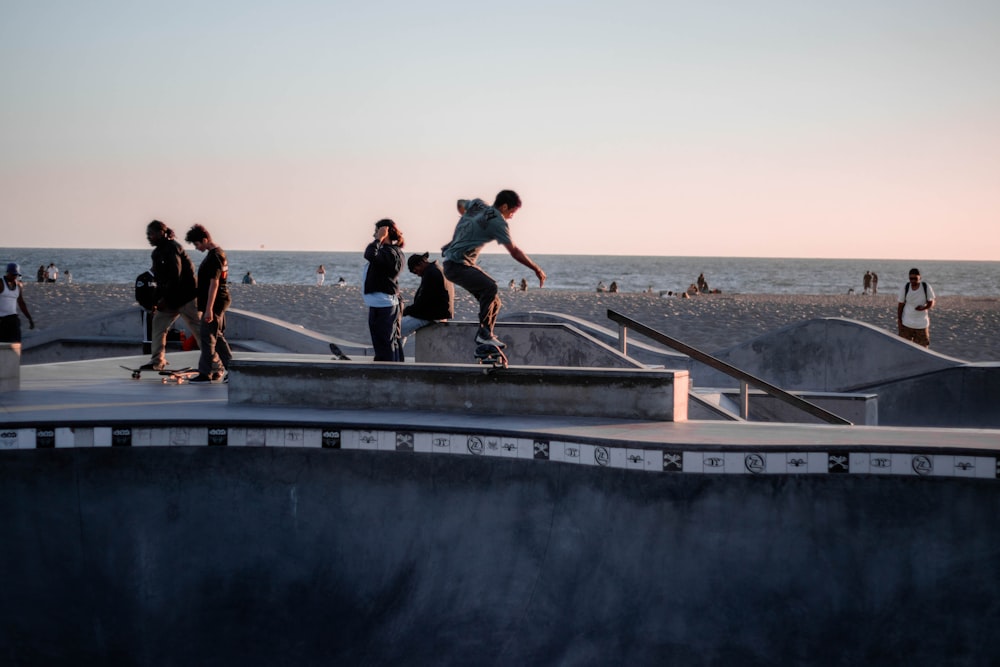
(383, 325)
(10, 328)
(215, 350)
(482, 286)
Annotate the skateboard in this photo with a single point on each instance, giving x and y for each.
(178, 375)
(489, 355)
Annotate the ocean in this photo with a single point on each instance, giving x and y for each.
(744, 275)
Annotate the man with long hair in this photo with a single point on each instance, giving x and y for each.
(175, 291)
(380, 287)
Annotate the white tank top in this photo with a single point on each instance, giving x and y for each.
(8, 298)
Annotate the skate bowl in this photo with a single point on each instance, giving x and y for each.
(264, 556)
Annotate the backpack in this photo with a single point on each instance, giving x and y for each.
(145, 290)
(922, 282)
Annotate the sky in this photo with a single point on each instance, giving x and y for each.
(772, 128)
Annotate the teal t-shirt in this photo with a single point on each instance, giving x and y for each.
(478, 226)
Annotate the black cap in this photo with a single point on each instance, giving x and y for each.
(416, 259)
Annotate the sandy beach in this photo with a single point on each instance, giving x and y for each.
(962, 327)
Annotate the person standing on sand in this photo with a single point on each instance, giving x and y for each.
(12, 298)
(213, 301)
(874, 283)
(479, 225)
(320, 275)
(380, 278)
(915, 300)
(175, 291)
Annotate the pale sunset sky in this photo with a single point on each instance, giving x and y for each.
(781, 128)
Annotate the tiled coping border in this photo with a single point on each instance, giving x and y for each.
(669, 460)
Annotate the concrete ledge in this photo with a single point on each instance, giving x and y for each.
(861, 409)
(533, 344)
(10, 366)
(658, 395)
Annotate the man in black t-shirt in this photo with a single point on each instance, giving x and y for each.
(213, 301)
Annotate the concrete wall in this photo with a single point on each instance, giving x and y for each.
(10, 366)
(121, 334)
(861, 409)
(464, 388)
(964, 397)
(527, 344)
(259, 556)
(649, 354)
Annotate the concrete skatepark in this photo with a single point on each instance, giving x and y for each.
(402, 535)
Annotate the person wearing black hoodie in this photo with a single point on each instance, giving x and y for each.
(175, 291)
(384, 261)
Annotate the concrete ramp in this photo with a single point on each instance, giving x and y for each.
(825, 354)
(964, 397)
(182, 556)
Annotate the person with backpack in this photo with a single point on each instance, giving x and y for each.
(175, 291)
(915, 300)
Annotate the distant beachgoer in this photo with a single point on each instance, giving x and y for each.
(479, 225)
(693, 289)
(512, 285)
(380, 280)
(613, 287)
(12, 299)
(249, 280)
(702, 283)
(850, 290)
(601, 287)
(341, 282)
(524, 285)
(915, 300)
(867, 283)
(434, 300)
(68, 276)
(40, 276)
(874, 283)
(320, 275)
(51, 273)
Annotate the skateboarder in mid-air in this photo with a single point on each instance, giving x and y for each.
(479, 225)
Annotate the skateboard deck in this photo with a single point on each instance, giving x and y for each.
(178, 375)
(488, 355)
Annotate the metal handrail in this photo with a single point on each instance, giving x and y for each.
(625, 322)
